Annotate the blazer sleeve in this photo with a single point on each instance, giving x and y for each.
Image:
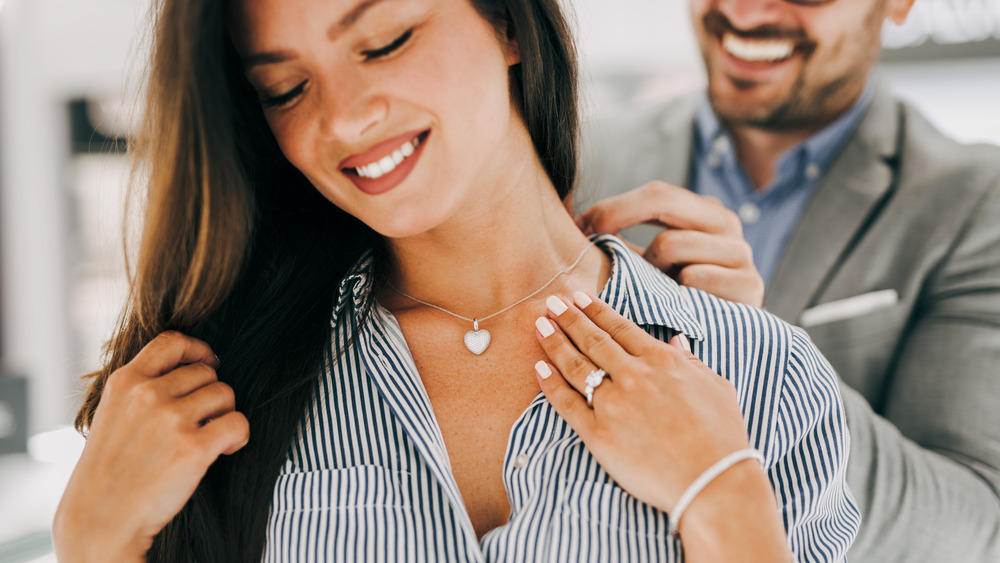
(811, 446)
(927, 475)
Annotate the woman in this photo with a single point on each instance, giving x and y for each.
(340, 193)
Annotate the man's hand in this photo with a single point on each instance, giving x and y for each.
(701, 245)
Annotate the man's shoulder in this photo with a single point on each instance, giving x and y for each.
(930, 160)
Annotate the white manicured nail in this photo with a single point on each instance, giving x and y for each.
(545, 327)
(581, 299)
(555, 305)
(543, 370)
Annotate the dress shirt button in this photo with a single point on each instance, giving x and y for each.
(749, 213)
(721, 145)
(520, 460)
(812, 171)
(713, 160)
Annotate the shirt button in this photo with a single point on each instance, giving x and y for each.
(749, 213)
(520, 460)
(721, 145)
(812, 171)
(713, 160)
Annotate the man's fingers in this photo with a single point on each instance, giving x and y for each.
(170, 349)
(742, 286)
(227, 433)
(671, 247)
(663, 204)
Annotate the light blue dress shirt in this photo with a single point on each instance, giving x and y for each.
(771, 214)
(368, 476)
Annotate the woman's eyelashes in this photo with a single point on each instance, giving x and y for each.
(283, 99)
(396, 43)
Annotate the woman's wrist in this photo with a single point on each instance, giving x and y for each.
(736, 511)
(83, 536)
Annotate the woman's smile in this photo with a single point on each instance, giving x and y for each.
(387, 164)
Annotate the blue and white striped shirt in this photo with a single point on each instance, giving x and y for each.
(368, 476)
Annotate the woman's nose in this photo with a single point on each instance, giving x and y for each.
(350, 110)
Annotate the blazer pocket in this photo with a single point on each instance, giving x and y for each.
(848, 308)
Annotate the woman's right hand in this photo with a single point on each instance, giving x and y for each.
(162, 420)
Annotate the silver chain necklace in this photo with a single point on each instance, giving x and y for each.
(477, 339)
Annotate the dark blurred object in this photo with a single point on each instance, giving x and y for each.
(13, 414)
(85, 136)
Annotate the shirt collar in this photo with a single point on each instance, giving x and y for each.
(636, 289)
(819, 149)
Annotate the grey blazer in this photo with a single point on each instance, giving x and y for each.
(894, 270)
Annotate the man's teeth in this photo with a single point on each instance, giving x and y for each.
(767, 50)
(388, 163)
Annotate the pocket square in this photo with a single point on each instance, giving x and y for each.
(848, 308)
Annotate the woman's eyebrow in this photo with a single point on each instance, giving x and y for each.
(349, 19)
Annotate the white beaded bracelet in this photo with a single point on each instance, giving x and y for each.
(703, 480)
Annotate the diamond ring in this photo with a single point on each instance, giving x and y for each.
(593, 381)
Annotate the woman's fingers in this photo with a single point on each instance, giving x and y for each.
(227, 433)
(211, 401)
(566, 400)
(170, 349)
(595, 343)
(567, 359)
(187, 379)
(624, 332)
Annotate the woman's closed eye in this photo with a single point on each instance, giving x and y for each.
(372, 54)
(283, 99)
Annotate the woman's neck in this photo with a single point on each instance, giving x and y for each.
(509, 239)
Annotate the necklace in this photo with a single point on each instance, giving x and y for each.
(478, 339)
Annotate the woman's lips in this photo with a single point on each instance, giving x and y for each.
(387, 164)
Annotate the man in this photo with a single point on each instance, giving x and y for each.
(872, 230)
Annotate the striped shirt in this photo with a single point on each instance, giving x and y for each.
(368, 476)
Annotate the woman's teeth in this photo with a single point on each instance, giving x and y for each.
(767, 50)
(388, 163)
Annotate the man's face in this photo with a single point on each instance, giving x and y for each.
(784, 65)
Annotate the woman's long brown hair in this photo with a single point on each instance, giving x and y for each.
(238, 249)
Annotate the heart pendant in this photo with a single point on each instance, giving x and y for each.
(477, 340)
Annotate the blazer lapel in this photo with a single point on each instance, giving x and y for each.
(677, 129)
(859, 178)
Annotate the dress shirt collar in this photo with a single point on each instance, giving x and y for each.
(636, 289)
(818, 150)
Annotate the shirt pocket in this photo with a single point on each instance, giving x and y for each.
(598, 521)
(347, 514)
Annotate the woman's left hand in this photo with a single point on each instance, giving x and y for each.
(660, 417)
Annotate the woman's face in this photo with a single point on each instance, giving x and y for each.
(396, 110)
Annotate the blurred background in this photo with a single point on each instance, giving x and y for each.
(68, 73)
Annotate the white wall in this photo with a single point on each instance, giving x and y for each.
(50, 50)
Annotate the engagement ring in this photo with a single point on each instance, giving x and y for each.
(593, 381)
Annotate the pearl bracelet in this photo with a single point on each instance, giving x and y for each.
(703, 480)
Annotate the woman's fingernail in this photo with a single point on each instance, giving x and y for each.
(555, 305)
(581, 299)
(543, 370)
(681, 341)
(544, 327)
